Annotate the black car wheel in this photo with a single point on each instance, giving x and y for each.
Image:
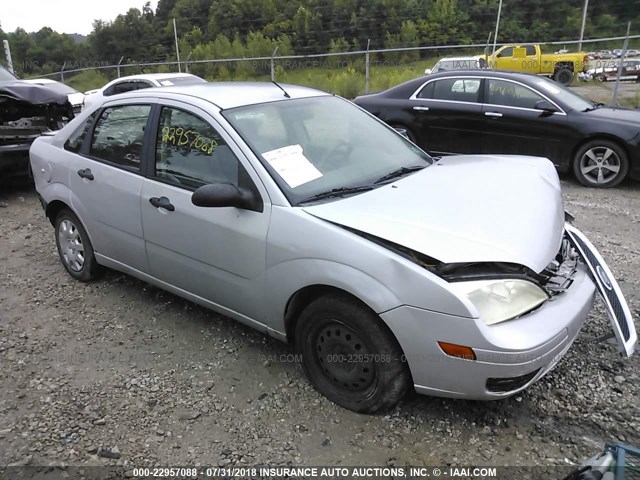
(350, 356)
(600, 164)
(563, 76)
(74, 247)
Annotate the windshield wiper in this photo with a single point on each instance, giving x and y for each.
(337, 192)
(594, 107)
(399, 173)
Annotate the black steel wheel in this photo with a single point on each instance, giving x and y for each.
(350, 356)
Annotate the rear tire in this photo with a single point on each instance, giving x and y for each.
(74, 247)
(350, 356)
(563, 76)
(600, 164)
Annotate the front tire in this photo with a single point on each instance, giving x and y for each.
(74, 247)
(350, 356)
(600, 164)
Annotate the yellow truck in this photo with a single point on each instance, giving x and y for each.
(562, 67)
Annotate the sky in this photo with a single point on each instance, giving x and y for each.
(63, 16)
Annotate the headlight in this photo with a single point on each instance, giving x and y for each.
(501, 300)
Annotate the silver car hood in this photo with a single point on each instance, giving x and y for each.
(467, 208)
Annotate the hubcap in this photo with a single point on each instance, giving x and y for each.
(344, 357)
(600, 165)
(71, 248)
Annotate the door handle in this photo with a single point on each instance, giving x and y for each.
(493, 114)
(421, 109)
(86, 173)
(162, 202)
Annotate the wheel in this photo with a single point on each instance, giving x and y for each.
(601, 78)
(402, 130)
(350, 356)
(74, 247)
(563, 76)
(600, 164)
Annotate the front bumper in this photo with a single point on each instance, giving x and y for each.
(509, 356)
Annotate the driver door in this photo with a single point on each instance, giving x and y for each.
(217, 254)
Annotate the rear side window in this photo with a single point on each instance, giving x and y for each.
(457, 89)
(118, 135)
(190, 153)
(121, 87)
(76, 140)
(531, 50)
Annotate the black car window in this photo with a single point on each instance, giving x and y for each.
(507, 52)
(457, 89)
(121, 87)
(76, 139)
(509, 94)
(531, 50)
(142, 85)
(427, 90)
(118, 135)
(190, 153)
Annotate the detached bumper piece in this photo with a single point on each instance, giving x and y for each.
(504, 385)
(617, 308)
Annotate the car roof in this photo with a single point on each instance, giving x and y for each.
(406, 89)
(474, 57)
(232, 94)
(154, 76)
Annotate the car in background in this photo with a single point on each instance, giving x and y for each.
(76, 98)
(295, 212)
(630, 71)
(561, 67)
(139, 82)
(632, 53)
(494, 112)
(457, 63)
(604, 54)
(26, 112)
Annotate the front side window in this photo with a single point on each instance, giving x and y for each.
(457, 89)
(118, 135)
(507, 52)
(509, 94)
(190, 153)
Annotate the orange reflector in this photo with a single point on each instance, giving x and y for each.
(459, 351)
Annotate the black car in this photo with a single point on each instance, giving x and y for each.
(483, 111)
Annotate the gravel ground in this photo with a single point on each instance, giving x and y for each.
(117, 372)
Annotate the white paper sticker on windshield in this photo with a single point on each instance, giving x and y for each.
(292, 165)
(166, 83)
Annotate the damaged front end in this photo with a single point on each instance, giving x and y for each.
(26, 112)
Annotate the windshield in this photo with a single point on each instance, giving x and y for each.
(562, 94)
(6, 76)
(312, 146)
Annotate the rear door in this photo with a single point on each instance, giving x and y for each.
(106, 180)
(217, 254)
(447, 115)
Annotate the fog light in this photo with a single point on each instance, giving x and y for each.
(459, 351)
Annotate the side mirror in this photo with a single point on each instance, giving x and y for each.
(427, 71)
(545, 106)
(226, 195)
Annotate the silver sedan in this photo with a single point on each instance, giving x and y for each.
(301, 215)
